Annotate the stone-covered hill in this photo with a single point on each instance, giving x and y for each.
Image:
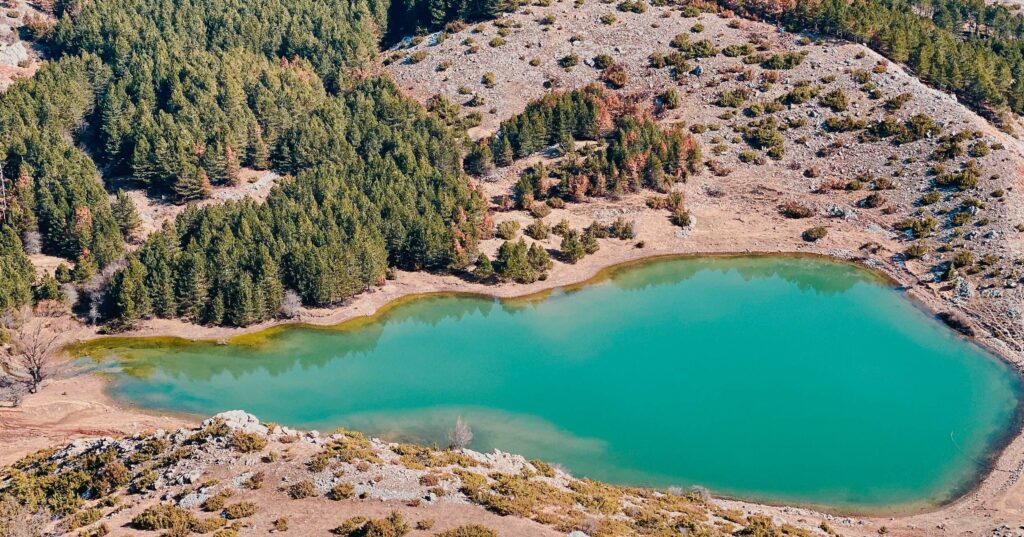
(236, 476)
(796, 133)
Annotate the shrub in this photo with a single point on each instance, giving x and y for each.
(255, 482)
(342, 491)
(603, 61)
(732, 98)
(931, 197)
(801, 94)
(164, 517)
(248, 442)
(681, 217)
(496, 42)
(217, 501)
(240, 510)
(471, 530)
(418, 56)
(916, 250)
(615, 76)
(540, 210)
(873, 200)
(670, 98)
(392, 526)
(786, 60)
(793, 209)
(569, 61)
(633, 6)
(895, 103)
(425, 524)
(836, 100)
(815, 233)
(488, 79)
(507, 229)
(538, 230)
(280, 524)
(608, 19)
(302, 489)
(963, 258)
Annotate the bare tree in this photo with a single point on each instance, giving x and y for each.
(291, 304)
(32, 242)
(31, 356)
(460, 436)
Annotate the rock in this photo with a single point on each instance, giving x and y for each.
(577, 533)
(238, 420)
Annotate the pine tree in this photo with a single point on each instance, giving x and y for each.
(572, 249)
(233, 168)
(539, 258)
(125, 214)
(128, 299)
(484, 270)
(513, 263)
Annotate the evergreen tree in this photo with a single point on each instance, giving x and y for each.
(125, 214)
(572, 249)
(484, 270)
(128, 299)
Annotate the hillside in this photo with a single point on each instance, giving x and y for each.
(236, 476)
(868, 181)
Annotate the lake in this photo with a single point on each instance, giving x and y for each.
(777, 379)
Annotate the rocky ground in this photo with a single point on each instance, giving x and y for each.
(233, 475)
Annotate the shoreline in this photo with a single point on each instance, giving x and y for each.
(341, 318)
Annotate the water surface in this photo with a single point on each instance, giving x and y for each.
(779, 379)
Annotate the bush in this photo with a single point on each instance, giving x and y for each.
(392, 526)
(302, 489)
(217, 501)
(248, 442)
(569, 61)
(873, 200)
(615, 76)
(815, 233)
(488, 79)
(540, 210)
(418, 56)
(342, 491)
(732, 98)
(164, 517)
(471, 530)
(240, 510)
(280, 524)
(787, 60)
(538, 230)
(608, 19)
(836, 100)
(916, 251)
(633, 6)
(963, 258)
(670, 99)
(603, 61)
(793, 209)
(507, 229)
(496, 42)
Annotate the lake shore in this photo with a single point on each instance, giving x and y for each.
(83, 409)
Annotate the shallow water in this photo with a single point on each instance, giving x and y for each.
(778, 379)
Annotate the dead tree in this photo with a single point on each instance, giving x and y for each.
(460, 436)
(31, 356)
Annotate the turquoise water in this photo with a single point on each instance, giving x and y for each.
(779, 379)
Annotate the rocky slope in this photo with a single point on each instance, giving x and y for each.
(236, 476)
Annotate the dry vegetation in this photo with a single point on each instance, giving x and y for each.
(205, 480)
